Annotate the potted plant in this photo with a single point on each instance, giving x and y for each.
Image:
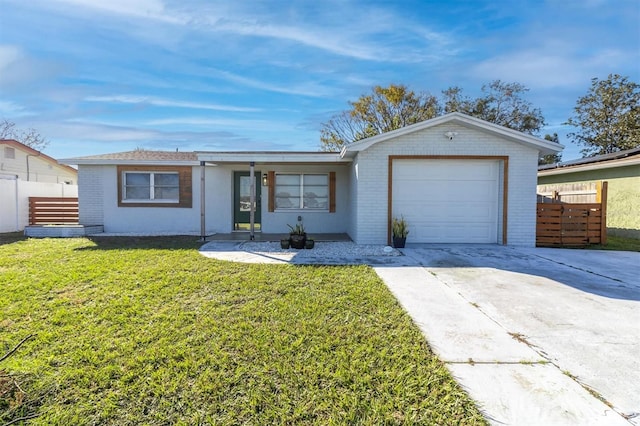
(309, 243)
(399, 230)
(297, 236)
(284, 244)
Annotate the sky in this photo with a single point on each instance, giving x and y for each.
(96, 76)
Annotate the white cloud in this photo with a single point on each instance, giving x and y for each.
(148, 9)
(307, 89)
(8, 55)
(136, 99)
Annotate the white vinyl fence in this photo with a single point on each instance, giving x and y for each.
(14, 199)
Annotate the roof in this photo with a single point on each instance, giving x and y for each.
(30, 151)
(141, 157)
(627, 157)
(280, 157)
(544, 146)
(137, 157)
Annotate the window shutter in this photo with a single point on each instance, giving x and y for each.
(271, 182)
(332, 192)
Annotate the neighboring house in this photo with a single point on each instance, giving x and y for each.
(17, 159)
(24, 173)
(454, 178)
(622, 172)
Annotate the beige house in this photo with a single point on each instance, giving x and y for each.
(17, 159)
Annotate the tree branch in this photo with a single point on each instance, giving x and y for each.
(8, 354)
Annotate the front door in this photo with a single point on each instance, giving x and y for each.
(242, 201)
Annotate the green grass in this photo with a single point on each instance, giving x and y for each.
(147, 331)
(618, 243)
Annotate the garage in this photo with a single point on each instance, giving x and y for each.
(448, 200)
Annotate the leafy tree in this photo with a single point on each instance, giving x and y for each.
(608, 117)
(551, 158)
(383, 110)
(501, 103)
(30, 137)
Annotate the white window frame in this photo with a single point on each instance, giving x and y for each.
(301, 192)
(151, 198)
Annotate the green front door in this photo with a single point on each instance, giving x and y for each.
(242, 201)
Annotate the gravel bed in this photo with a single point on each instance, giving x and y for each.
(332, 249)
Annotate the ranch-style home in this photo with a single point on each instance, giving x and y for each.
(454, 178)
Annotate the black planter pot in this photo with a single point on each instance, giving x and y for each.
(309, 244)
(284, 244)
(298, 241)
(399, 242)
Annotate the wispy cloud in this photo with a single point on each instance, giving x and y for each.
(149, 100)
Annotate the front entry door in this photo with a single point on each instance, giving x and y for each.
(242, 201)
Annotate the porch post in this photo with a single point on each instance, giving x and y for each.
(203, 229)
(252, 201)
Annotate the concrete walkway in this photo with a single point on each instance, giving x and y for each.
(535, 336)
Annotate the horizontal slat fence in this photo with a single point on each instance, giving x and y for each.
(569, 224)
(53, 210)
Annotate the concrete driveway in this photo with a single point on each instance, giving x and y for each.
(536, 336)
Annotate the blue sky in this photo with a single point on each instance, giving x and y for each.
(106, 76)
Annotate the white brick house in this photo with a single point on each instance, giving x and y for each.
(456, 179)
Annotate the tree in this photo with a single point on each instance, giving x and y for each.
(30, 137)
(501, 103)
(383, 110)
(551, 158)
(608, 117)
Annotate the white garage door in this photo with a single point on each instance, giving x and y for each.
(447, 201)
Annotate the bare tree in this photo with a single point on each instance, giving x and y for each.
(30, 137)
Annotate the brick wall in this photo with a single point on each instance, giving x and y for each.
(372, 186)
(91, 195)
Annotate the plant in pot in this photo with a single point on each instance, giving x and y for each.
(309, 243)
(399, 230)
(297, 236)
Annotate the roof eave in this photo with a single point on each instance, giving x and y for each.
(632, 161)
(113, 162)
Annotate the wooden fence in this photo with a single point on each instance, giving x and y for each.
(561, 224)
(53, 210)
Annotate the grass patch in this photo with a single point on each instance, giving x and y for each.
(146, 331)
(618, 243)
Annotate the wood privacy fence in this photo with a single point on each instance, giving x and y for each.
(53, 210)
(573, 224)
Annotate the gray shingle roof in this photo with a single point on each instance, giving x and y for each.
(143, 155)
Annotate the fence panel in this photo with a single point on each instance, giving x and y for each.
(570, 224)
(53, 210)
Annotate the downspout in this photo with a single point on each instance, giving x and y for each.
(203, 234)
(252, 201)
(28, 173)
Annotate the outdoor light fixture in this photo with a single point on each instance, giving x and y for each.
(450, 135)
(265, 180)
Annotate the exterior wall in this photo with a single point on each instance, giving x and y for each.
(99, 204)
(91, 195)
(98, 198)
(354, 172)
(372, 182)
(623, 198)
(38, 169)
(219, 200)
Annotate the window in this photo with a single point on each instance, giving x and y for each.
(302, 191)
(9, 153)
(155, 186)
(151, 186)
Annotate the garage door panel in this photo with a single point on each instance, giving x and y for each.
(447, 201)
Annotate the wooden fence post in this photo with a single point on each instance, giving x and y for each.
(602, 199)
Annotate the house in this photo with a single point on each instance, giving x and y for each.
(17, 159)
(622, 172)
(454, 178)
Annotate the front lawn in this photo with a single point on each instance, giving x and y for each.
(133, 331)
